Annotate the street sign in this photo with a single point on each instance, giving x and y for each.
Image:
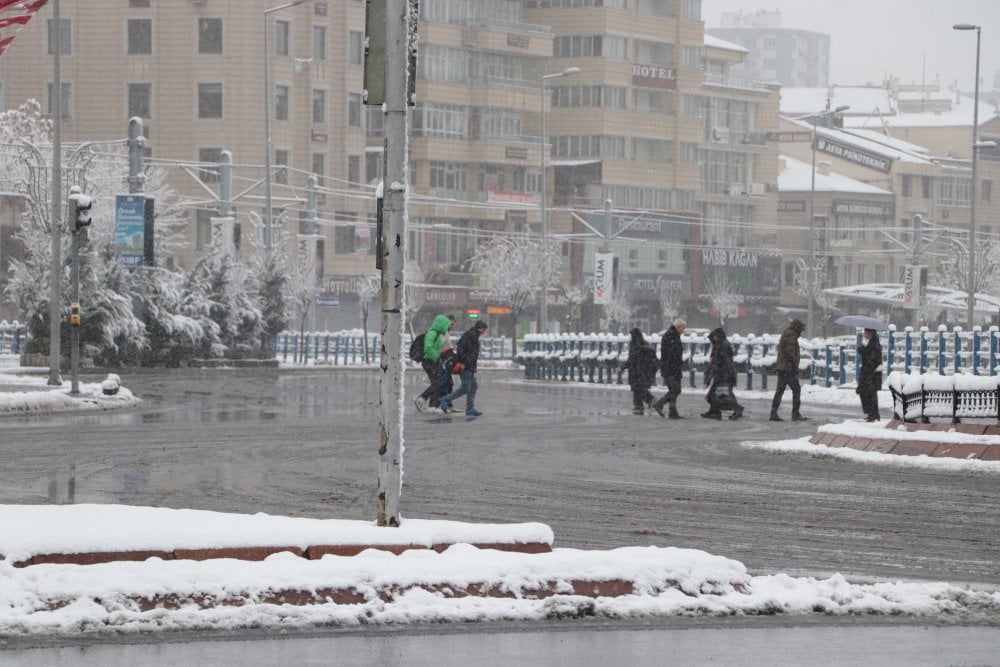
(130, 222)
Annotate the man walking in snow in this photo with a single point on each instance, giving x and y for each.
(787, 367)
(467, 351)
(671, 366)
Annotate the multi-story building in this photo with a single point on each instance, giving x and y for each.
(653, 121)
(791, 57)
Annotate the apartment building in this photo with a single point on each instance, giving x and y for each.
(791, 57)
(642, 111)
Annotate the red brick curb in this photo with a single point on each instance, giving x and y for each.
(913, 447)
(258, 553)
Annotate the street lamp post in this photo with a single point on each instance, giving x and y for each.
(811, 307)
(970, 315)
(267, 126)
(543, 309)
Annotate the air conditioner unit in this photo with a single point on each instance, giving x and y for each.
(720, 134)
(756, 189)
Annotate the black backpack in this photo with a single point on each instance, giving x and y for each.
(417, 348)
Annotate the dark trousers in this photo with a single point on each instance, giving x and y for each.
(673, 391)
(868, 390)
(641, 398)
(437, 387)
(787, 379)
(470, 385)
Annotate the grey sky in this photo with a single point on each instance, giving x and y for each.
(910, 39)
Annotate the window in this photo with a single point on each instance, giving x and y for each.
(954, 191)
(373, 167)
(986, 190)
(203, 228)
(355, 47)
(492, 178)
(209, 100)
(879, 273)
(343, 239)
(281, 32)
(209, 35)
(353, 170)
(140, 96)
(691, 10)
(67, 99)
(354, 110)
(140, 37)
(691, 57)
(440, 120)
(212, 156)
(927, 183)
(138, 3)
(319, 106)
(319, 167)
(281, 166)
(281, 102)
(65, 37)
(319, 42)
(907, 185)
(448, 175)
(374, 121)
(633, 258)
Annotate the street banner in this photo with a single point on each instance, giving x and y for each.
(130, 220)
(914, 285)
(603, 276)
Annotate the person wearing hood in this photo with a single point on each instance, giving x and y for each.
(870, 381)
(787, 367)
(434, 341)
(722, 370)
(672, 366)
(641, 367)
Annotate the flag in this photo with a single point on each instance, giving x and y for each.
(20, 12)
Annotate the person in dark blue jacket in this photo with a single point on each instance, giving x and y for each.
(467, 352)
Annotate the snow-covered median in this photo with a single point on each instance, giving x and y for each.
(32, 394)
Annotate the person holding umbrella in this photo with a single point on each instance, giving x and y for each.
(870, 382)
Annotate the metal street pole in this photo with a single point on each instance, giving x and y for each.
(970, 306)
(813, 269)
(55, 217)
(543, 308)
(268, 221)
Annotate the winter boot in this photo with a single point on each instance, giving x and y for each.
(775, 418)
(737, 413)
(658, 406)
(796, 417)
(673, 412)
(637, 411)
(711, 415)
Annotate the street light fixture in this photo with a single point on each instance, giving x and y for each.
(267, 126)
(543, 310)
(811, 309)
(972, 205)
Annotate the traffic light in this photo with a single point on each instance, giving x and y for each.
(74, 314)
(79, 210)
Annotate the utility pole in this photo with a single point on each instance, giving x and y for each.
(55, 217)
(390, 56)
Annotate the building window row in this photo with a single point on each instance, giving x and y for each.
(609, 47)
(471, 12)
(588, 146)
(610, 97)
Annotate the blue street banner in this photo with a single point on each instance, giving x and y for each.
(130, 217)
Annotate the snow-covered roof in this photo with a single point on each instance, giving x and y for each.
(878, 136)
(862, 100)
(796, 176)
(881, 145)
(717, 43)
(892, 294)
(959, 116)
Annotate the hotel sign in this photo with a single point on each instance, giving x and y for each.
(654, 76)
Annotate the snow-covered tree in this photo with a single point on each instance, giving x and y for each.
(953, 271)
(618, 311)
(721, 293)
(367, 289)
(517, 268)
(670, 305)
(576, 296)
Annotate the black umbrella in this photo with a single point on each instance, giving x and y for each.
(862, 322)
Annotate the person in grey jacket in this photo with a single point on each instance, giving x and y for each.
(787, 367)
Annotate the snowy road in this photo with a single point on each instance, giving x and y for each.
(303, 443)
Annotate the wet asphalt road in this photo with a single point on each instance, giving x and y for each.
(303, 443)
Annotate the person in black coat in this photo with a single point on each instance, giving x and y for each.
(467, 352)
(870, 382)
(671, 366)
(723, 373)
(641, 367)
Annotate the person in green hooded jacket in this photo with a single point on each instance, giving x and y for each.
(434, 340)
